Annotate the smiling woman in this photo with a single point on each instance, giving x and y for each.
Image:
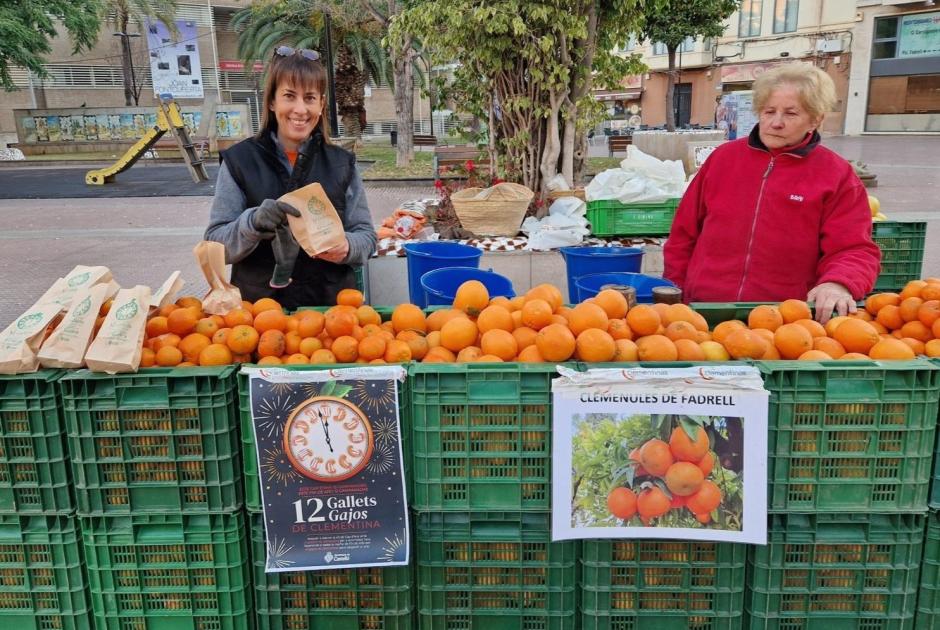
(293, 149)
(776, 215)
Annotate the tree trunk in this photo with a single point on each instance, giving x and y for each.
(127, 64)
(671, 90)
(403, 71)
(350, 91)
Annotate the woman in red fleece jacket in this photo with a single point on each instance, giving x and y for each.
(775, 215)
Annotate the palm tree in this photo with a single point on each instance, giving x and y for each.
(358, 56)
(120, 13)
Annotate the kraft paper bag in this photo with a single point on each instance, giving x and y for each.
(66, 346)
(318, 228)
(166, 294)
(117, 347)
(82, 277)
(223, 297)
(22, 339)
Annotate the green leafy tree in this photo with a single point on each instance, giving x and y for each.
(358, 51)
(26, 28)
(529, 68)
(674, 22)
(121, 13)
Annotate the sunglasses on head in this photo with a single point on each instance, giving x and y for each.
(306, 53)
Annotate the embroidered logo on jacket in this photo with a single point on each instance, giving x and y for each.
(796, 197)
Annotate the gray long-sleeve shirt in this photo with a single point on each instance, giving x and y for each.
(230, 221)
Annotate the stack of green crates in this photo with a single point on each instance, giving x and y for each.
(481, 438)
(158, 482)
(849, 467)
(333, 599)
(902, 253)
(928, 598)
(42, 581)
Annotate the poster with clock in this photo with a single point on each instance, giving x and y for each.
(330, 466)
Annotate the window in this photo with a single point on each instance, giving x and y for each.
(659, 48)
(749, 26)
(628, 46)
(785, 12)
(707, 44)
(885, 45)
(688, 44)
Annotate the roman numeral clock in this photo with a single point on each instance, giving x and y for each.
(328, 439)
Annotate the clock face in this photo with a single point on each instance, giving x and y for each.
(328, 439)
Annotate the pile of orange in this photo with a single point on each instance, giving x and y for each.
(683, 465)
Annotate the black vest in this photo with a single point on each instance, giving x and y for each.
(255, 166)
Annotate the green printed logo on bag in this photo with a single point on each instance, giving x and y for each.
(80, 279)
(127, 311)
(27, 321)
(82, 307)
(315, 206)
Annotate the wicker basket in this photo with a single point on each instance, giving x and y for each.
(494, 211)
(558, 194)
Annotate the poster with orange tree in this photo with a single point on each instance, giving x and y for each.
(675, 453)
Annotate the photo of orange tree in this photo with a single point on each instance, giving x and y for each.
(659, 470)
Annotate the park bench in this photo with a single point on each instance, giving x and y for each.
(618, 144)
(418, 140)
(457, 156)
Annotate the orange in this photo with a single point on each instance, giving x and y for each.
(652, 503)
(912, 289)
(621, 502)
(932, 348)
(643, 320)
(322, 356)
(765, 316)
(929, 312)
(890, 317)
(182, 321)
(270, 319)
(372, 347)
(168, 356)
(828, 345)
(350, 297)
(555, 342)
(469, 354)
(656, 457)
(530, 354)
(242, 339)
(345, 349)
(106, 307)
(433, 339)
(368, 315)
(918, 346)
(269, 361)
(439, 354)
(547, 292)
(707, 463)
(656, 348)
(917, 330)
(168, 339)
(792, 340)
(891, 349)
(707, 498)
(493, 318)
(626, 350)
(876, 301)
(488, 358)
(685, 449)
(935, 329)
(221, 335)
(237, 317)
(340, 322)
(292, 342)
(619, 329)
(408, 317)
(854, 356)
(148, 358)
(536, 314)
(459, 333)
(525, 336)
(714, 351)
(309, 345)
(191, 345)
(587, 315)
(472, 297)
(499, 343)
(208, 326)
(723, 329)
(613, 303)
(215, 354)
(688, 350)
(855, 335)
(438, 318)
(595, 346)
(684, 479)
(310, 323)
(265, 304)
(931, 291)
(815, 328)
(681, 330)
(156, 326)
(909, 308)
(793, 310)
(501, 300)
(416, 341)
(271, 343)
(814, 355)
(296, 359)
(744, 343)
(397, 351)
(164, 311)
(189, 301)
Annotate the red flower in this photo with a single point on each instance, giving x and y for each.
(438, 184)
(469, 165)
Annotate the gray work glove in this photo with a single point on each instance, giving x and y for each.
(271, 214)
(285, 249)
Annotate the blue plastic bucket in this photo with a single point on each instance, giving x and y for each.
(583, 261)
(425, 257)
(590, 285)
(440, 286)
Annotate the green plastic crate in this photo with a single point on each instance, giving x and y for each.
(928, 599)
(611, 218)
(250, 451)
(661, 585)
(42, 581)
(935, 482)
(338, 599)
(34, 466)
(853, 437)
(836, 572)
(717, 312)
(481, 436)
(173, 571)
(162, 440)
(494, 571)
(902, 253)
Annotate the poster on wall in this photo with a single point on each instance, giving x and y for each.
(919, 35)
(735, 114)
(675, 453)
(331, 467)
(174, 60)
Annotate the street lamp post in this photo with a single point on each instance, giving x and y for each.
(128, 53)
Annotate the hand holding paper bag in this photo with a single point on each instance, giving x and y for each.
(222, 296)
(319, 227)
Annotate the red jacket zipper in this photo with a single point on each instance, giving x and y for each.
(750, 238)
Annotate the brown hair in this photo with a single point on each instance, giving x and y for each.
(300, 72)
